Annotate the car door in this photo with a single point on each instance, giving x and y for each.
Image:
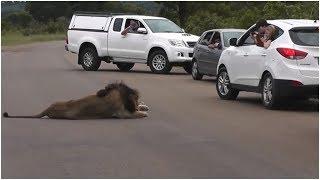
(238, 64)
(133, 45)
(214, 56)
(255, 62)
(114, 38)
(204, 52)
(248, 62)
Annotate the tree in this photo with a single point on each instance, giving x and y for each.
(20, 19)
(198, 23)
(178, 11)
(45, 11)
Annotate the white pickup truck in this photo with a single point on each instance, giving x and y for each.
(157, 42)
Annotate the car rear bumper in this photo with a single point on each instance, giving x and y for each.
(292, 88)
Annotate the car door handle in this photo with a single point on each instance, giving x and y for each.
(263, 54)
(245, 55)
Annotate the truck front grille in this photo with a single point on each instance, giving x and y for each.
(191, 44)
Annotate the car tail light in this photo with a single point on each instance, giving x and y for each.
(66, 39)
(292, 53)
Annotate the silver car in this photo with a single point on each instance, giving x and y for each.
(208, 49)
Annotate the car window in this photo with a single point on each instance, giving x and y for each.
(247, 40)
(162, 26)
(228, 35)
(206, 38)
(308, 36)
(117, 24)
(127, 24)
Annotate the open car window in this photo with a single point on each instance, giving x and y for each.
(206, 38)
(127, 24)
(216, 36)
(246, 39)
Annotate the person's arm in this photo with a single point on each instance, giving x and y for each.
(125, 31)
(259, 42)
(211, 46)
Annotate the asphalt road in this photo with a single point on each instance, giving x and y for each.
(190, 132)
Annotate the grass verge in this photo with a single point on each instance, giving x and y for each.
(15, 38)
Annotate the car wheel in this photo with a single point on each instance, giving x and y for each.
(125, 66)
(195, 71)
(188, 67)
(158, 62)
(223, 86)
(269, 95)
(89, 59)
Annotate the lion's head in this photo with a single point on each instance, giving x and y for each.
(129, 96)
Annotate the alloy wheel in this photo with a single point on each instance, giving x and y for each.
(223, 83)
(159, 62)
(88, 59)
(267, 90)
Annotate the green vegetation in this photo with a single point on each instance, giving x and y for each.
(15, 38)
(196, 17)
(37, 21)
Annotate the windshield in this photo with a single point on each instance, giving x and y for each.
(305, 36)
(228, 35)
(163, 25)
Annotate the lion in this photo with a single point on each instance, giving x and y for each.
(116, 100)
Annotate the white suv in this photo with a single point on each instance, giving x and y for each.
(158, 42)
(288, 68)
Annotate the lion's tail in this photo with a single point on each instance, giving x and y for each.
(5, 114)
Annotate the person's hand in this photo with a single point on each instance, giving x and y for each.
(211, 46)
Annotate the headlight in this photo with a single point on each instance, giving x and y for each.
(176, 42)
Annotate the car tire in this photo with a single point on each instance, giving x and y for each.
(195, 71)
(89, 59)
(158, 62)
(188, 67)
(125, 66)
(223, 86)
(269, 92)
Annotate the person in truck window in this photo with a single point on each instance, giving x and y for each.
(133, 27)
(269, 36)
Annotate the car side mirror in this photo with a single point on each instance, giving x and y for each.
(183, 30)
(233, 42)
(142, 30)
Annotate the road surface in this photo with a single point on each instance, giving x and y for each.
(190, 132)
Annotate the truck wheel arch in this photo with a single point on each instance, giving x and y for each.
(84, 45)
(221, 66)
(155, 49)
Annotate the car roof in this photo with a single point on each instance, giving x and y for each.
(139, 17)
(291, 23)
(227, 30)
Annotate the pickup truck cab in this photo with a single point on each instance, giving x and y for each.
(158, 42)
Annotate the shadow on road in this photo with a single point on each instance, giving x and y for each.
(131, 71)
(305, 106)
